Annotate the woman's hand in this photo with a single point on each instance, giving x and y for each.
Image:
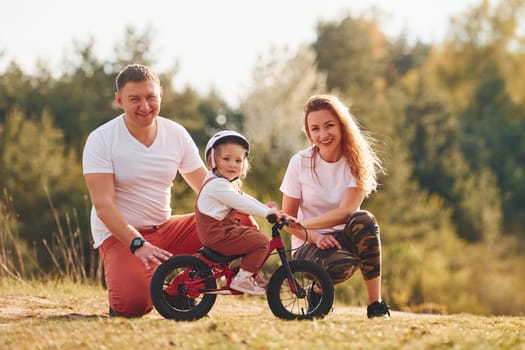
(294, 224)
(326, 241)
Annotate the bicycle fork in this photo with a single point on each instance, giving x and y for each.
(294, 286)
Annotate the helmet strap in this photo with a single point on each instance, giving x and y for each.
(212, 158)
(243, 166)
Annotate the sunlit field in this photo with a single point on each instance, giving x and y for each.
(63, 315)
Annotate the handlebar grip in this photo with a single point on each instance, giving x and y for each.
(272, 218)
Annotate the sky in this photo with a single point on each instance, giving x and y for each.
(215, 43)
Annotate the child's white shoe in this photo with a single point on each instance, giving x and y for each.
(247, 285)
(261, 282)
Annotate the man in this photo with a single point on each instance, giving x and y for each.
(129, 164)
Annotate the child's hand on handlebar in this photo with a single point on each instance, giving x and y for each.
(273, 205)
(279, 215)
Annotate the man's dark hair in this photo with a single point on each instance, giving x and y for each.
(137, 73)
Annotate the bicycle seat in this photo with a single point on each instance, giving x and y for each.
(215, 256)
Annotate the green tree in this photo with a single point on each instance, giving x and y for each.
(36, 167)
(135, 47)
(25, 93)
(351, 53)
(273, 114)
(467, 117)
(81, 99)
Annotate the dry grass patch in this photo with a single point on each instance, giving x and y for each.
(63, 315)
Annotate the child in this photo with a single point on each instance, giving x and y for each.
(219, 204)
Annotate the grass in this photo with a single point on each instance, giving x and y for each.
(66, 315)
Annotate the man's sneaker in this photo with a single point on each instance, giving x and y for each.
(312, 297)
(247, 285)
(378, 309)
(112, 313)
(181, 302)
(261, 282)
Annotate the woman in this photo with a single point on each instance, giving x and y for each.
(324, 187)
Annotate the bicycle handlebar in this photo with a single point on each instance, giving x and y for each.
(272, 219)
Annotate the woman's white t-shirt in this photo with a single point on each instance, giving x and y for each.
(143, 175)
(317, 194)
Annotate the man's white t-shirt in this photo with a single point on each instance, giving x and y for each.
(219, 196)
(143, 175)
(320, 194)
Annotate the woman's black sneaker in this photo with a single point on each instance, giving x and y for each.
(378, 309)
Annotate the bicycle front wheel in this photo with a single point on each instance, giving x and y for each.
(177, 287)
(306, 304)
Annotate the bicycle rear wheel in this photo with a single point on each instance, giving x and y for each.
(177, 285)
(288, 305)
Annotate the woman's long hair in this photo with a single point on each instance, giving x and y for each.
(363, 161)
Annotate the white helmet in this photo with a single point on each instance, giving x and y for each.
(224, 136)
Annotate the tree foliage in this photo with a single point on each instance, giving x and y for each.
(272, 112)
(467, 120)
(36, 167)
(448, 120)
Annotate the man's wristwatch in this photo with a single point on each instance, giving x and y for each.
(136, 243)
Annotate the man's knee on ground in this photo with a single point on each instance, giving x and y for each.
(133, 306)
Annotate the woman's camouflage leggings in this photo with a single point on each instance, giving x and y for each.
(361, 248)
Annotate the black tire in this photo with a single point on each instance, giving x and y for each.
(287, 305)
(185, 305)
